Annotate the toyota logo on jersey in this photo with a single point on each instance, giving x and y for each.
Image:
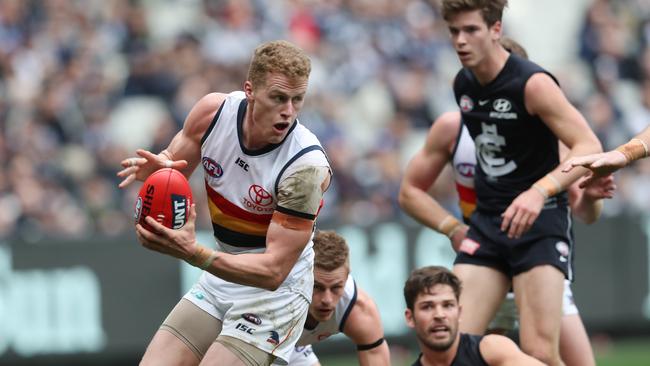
(259, 196)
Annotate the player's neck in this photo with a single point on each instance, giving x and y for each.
(491, 65)
(251, 138)
(439, 358)
(310, 322)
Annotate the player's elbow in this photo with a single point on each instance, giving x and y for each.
(405, 196)
(273, 279)
(594, 144)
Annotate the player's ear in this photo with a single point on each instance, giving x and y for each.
(495, 31)
(408, 316)
(248, 90)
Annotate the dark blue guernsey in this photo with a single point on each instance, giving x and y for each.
(468, 353)
(513, 148)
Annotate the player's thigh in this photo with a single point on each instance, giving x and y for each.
(270, 322)
(184, 337)
(484, 289)
(575, 348)
(538, 295)
(220, 354)
(506, 318)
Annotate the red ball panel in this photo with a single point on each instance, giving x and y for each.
(166, 196)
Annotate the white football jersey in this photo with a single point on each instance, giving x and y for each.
(242, 186)
(336, 323)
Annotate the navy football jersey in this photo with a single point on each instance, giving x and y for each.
(468, 353)
(513, 148)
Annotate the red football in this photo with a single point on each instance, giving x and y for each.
(166, 196)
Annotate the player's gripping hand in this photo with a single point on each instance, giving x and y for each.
(141, 167)
(180, 243)
(599, 165)
(522, 213)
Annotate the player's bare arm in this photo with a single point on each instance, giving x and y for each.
(608, 162)
(421, 173)
(288, 233)
(544, 98)
(587, 204)
(501, 351)
(363, 327)
(183, 152)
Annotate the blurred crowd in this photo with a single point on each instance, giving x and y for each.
(85, 83)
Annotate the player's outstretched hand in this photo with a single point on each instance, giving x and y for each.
(522, 213)
(179, 243)
(141, 167)
(600, 165)
(598, 187)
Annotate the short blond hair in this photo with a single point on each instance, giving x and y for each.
(331, 251)
(491, 10)
(278, 56)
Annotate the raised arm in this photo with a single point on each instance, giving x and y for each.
(421, 173)
(501, 351)
(183, 152)
(364, 328)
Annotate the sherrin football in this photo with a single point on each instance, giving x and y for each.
(166, 196)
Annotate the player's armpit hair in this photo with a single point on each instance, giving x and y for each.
(365, 347)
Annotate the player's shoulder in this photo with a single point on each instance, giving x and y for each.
(364, 308)
(496, 347)
(448, 120)
(445, 129)
(212, 100)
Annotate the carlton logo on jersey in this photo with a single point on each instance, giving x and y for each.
(212, 167)
(488, 147)
(502, 109)
(258, 199)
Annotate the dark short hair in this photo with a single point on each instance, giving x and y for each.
(491, 10)
(423, 279)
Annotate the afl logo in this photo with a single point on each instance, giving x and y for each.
(465, 169)
(466, 104)
(252, 318)
(502, 105)
(212, 167)
(138, 209)
(259, 196)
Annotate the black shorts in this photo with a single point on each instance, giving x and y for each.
(548, 242)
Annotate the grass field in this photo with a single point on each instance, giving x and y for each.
(619, 353)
